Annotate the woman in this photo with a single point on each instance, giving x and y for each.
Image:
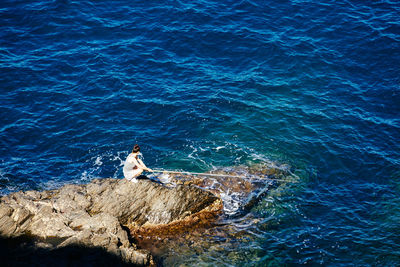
(134, 166)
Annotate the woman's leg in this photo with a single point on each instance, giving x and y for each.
(136, 173)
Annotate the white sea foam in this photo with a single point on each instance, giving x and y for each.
(219, 148)
(98, 161)
(232, 202)
(85, 177)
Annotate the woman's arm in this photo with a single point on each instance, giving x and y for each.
(143, 166)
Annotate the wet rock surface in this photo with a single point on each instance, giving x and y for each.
(105, 214)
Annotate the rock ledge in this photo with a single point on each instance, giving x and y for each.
(105, 213)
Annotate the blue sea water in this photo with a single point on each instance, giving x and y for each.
(207, 84)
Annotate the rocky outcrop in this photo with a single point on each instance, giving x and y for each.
(105, 213)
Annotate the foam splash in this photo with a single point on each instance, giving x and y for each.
(98, 161)
(232, 202)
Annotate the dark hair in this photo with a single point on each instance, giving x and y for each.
(136, 148)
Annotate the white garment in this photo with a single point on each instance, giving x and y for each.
(129, 165)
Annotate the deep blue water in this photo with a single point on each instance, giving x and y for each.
(203, 84)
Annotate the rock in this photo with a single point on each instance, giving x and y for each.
(5, 210)
(100, 213)
(7, 226)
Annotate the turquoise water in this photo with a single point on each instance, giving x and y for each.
(204, 85)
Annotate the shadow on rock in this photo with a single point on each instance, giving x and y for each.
(24, 251)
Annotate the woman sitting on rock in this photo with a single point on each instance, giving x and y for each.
(134, 166)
